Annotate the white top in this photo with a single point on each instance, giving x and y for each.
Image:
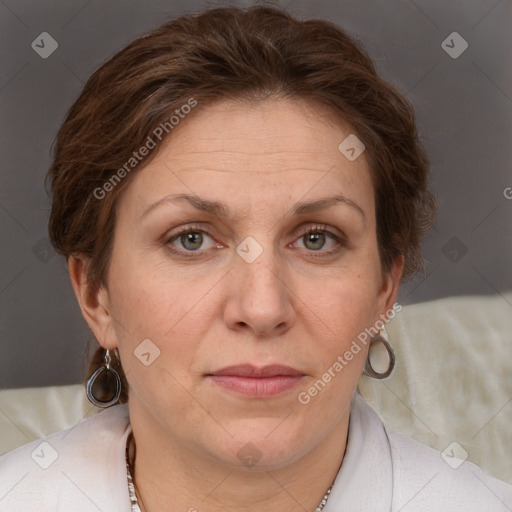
(82, 469)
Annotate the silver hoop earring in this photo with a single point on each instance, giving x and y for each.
(104, 385)
(368, 369)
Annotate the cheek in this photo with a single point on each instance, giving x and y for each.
(348, 301)
(146, 301)
(145, 306)
(158, 342)
(339, 312)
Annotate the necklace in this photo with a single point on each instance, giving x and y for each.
(134, 502)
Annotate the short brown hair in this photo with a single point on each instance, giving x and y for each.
(233, 53)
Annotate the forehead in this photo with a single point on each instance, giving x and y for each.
(265, 129)
(254, 152)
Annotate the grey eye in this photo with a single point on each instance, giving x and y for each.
(317, 241)
(192, 240)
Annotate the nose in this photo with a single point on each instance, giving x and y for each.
(261, 298)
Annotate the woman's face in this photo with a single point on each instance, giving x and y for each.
(212, 267)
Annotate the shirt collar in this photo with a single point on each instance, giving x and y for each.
(365, 479)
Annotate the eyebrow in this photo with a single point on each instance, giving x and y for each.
(220, 210)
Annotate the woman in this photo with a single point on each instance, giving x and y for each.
(238, 196)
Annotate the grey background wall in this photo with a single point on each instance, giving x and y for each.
(463, 103)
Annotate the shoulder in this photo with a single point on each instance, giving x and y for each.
(426, 478)
(77, 469)
(422, 479)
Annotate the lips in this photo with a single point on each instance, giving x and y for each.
(258, 382)
(247, 370)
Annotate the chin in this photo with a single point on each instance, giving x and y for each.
(262, 446)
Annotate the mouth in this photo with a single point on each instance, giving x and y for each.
(257, 382)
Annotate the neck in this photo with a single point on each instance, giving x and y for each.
(166, 472)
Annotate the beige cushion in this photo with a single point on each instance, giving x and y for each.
(27, 414)
(452, 381)
(451, 384)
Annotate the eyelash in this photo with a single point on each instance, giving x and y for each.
(340, 241)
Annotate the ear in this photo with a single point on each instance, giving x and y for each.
(390, 285)
(93, 300)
